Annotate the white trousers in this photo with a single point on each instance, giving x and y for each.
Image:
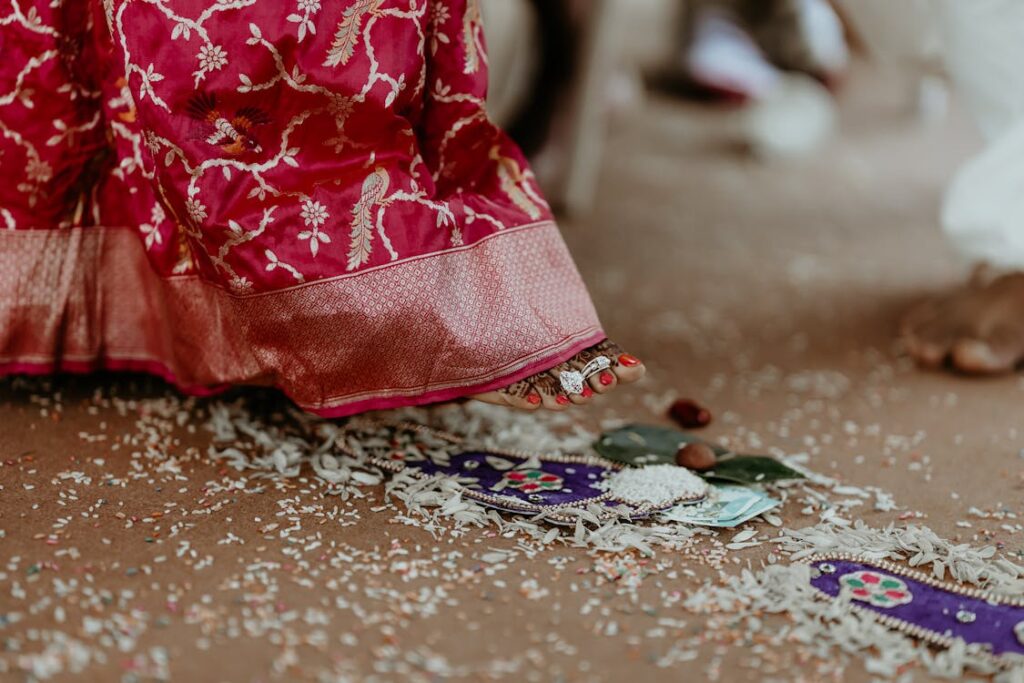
(984, 50)
(981, 43)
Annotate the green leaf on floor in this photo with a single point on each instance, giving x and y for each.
(653, 445)
(751, 469)
(647, 444)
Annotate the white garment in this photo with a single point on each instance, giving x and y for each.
(512, 56)
(984, 208)
(981, 43)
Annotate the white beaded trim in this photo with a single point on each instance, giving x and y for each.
(1005, 660)
(551, 512)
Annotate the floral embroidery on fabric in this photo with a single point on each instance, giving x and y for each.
(304, 20)
(875, 588)
(1018, 631)
(302, 182)
(439, 16)
(530, 481)
(371, 110)
(314, 214)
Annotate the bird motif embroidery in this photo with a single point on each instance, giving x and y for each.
(375, 187)
(233, 135)
(514, 183)
(348, 35)
(185, 262)
(472, 28)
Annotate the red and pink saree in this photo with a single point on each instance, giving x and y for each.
(299, 193)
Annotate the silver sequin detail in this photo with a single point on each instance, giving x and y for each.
(965, 617)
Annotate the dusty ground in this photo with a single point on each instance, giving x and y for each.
(770, 292)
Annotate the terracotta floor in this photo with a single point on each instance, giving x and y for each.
(769, 291)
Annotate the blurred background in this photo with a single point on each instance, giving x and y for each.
(751, 188)
(564, 72)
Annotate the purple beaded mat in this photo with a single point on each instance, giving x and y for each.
(549, 484)
(924, 607)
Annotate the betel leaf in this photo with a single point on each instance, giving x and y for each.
(751, 469)
(653, 445)
(647, 444)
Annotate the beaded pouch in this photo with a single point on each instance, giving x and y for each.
(525, 483)
(924, 607)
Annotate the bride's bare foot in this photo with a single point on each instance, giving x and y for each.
(544, 390)
(978, 329)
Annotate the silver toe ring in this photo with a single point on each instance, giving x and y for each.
(574, 381)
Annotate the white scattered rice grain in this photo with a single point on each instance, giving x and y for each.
(654, 485)
(744, 535)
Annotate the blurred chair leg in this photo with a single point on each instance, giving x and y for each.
(589, 111)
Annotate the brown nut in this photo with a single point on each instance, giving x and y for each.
(696, 456)
(689, 414)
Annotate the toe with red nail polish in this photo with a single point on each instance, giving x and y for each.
(601, 368)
